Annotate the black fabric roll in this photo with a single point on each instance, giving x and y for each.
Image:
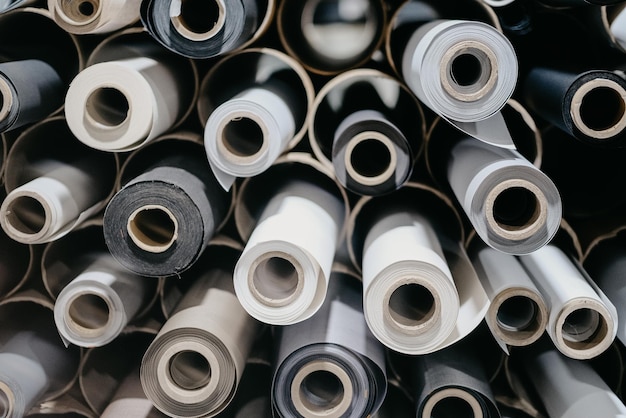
(551, 94)
(241, 20)
(445, 375)
(181, 184)
(335, 344)
(372, 166)
(30, 90)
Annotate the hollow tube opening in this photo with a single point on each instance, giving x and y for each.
(199, 20)
(411, 305)
(153, 229)
(189, 370)
(466, 70)
(516, 208)
(242, 137)
(107, 106)
(581, 326)
(81, 11)
(275, 278)
(26, 215)
(5, 405)
(370, 158)
(88, 313)
(602, 108)
(452, 407)
(517, 313)
(321, 391)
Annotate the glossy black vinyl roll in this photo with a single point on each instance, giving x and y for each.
(174, 207)
(234, 23)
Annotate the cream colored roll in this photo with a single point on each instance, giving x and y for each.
(94, 16)
(194, 365)
(465, 71)
(618, 25)
(282, 275)
(517, 314)
(94, 308)
(582, 322)
(244, 135)
(410, 300)
(49, 206)
(513, 206)
(121, 105)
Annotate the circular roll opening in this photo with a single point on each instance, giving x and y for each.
(190, 370)
(452, 407)
(199, 16)
(81, 11)
(411, 305)
(515, 208)
(153, 229)
(370, 158)
(466, 70)
(275, 278)
(107, 106)
(602, 108)
(26, 215)
(517, 313)
(88, 312)
(321, 391)
(581, 325)
(242, 137)
(5, 405)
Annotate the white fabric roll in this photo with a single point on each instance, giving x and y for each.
(429, 67)
(282, 275)
(48, 207)
(121, 105)
(94, 16)
(403, 249)
(513, 206)
(618, 27)
(277, 127)
(88, 323)
(582, 322)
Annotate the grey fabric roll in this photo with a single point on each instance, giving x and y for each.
(330, 365)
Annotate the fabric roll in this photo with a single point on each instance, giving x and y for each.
(452, 382)
(513, 206)
(589, 105)
(517, 314)
(131, 92)
(605, 263)
(569, 388)
(617, 28)
(369, 128)
(109, 377)
(94, 308)
(330, 365)
(331, 36)
(30, 90)
(515, 16)
(176, 25)
(94, 16)
(582, 322)
(465, 71)
(96, 298)
(34, 364)
(282, 275)
(161, 221)
(194, 365)
(421, 292)
(53, 187)
(244, 135)
(354, 135)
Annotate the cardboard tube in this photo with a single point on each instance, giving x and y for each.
(582, 322)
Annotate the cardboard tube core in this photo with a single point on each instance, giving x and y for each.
(199, 20)
(153, 228)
